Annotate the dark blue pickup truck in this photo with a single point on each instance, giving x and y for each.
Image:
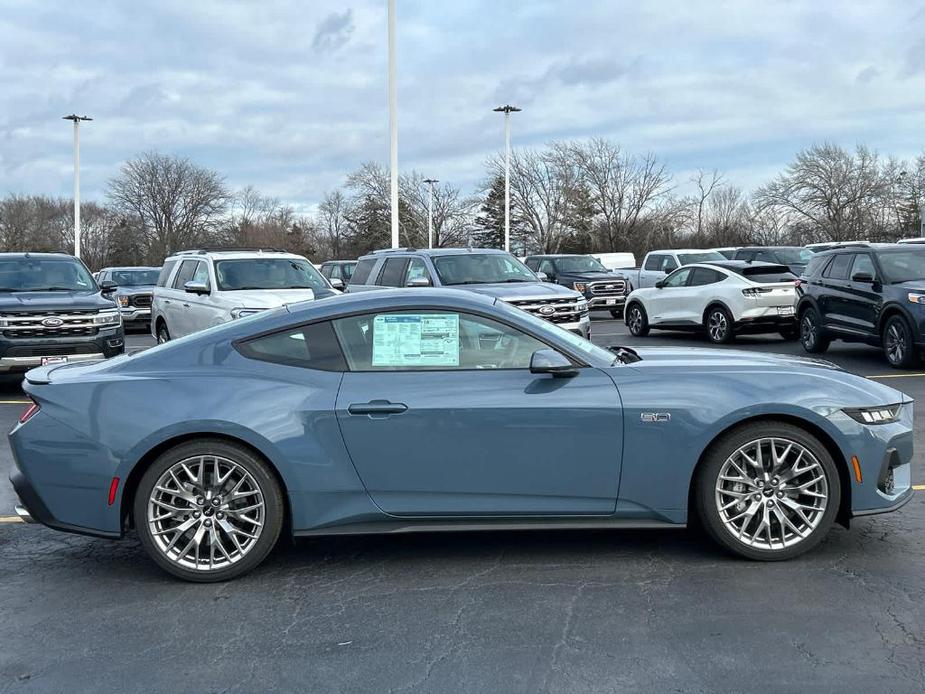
(52, 310)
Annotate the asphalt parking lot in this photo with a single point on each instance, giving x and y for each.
(640, 611)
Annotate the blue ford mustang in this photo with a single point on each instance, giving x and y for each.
(400, 411)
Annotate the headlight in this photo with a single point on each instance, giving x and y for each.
(241, 312)
(123, 300)
(884, 414)
(916, 298)
(107, 318)
(582, 306)
(580, 287)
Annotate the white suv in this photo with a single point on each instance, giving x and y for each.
(200, 289)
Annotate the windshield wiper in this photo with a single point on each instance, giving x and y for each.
(454, 284)
(51, 289)
(300, 286)
(515, 279)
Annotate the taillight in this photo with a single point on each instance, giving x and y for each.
(755, 292)
(798, 283)
(28, 413)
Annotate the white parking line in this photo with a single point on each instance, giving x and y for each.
(10, 519)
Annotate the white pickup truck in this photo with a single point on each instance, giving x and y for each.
(657, 264)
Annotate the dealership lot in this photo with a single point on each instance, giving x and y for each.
(567, 611)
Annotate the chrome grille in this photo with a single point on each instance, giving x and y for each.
(608, 288)
(28, 325)
(555, 310)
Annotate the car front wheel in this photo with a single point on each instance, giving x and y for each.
(163, 335)
(898, 345)
(637, 321)
(768, 491)
(208, 510)
(719, 325)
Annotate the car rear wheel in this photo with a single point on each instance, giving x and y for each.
(208, 510)
(812, 337)
(718, 325)
(163, 335)
(768, 491)
(637, 321)
(898, 345)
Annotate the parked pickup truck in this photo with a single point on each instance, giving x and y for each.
(52, 310)
(657, 264)
(603, 288)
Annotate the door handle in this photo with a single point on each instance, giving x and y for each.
(377, 408)
(185, 305)
(166, 301)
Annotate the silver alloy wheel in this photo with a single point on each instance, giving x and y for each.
(635, 320)
(162, 335)
(771, 493)
(895, 343)
(808, 330)
(717, 325)
(206, 513)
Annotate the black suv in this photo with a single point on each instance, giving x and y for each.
(873, 294)
(793, 257)
(603, 288)
(52, 310)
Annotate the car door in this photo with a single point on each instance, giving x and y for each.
(203, 310)
(442, 417)
(834, 298)
(703, 289)
(667, 303)
(863, 299)
(176, 308)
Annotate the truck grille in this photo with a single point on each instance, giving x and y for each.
(27, 325)
(555, 310)
(52, 350)
(608, 288)
(140, 300)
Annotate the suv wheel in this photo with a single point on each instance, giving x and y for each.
(637, 321)
(163, 335)
(718, 325)
(898, 345)
(811, 336)
(208, 510)
(767, 491)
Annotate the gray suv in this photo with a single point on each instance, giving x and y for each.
(482, 270)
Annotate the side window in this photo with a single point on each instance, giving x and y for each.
(417, 270)
(532, 263)
(326, 270)
(745, 255)
(363, 268)
(185, 273)
(548, 267)
(702, 276)
(308, 346)
(432, 341)
(654, 262)
(815, 266)
(838, 268)
(202, 274)
(392, 272)
(863, 264)
(677, 279)
(765, 256)
(165, 273)
(669, 264)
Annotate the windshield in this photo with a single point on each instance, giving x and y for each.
(481, 268)
(268, 273)
(44, 274)
(579, 263)
(135, 278)
(577, 342)
(793, 256)
(903, 266)
(702, 257)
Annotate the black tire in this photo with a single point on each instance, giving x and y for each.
(812, 336)
(163, 334)
(790, 334)
(898, 345)
(719, 326)
(262, 476)
(707, 501)
(637, 320)
(618, 314)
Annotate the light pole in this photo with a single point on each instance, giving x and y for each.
(430, 211)
(74, 117)
(393, 125)
(507, 111)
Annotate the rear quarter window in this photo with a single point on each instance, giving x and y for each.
(165, 273)
(362, 270)
(816, 265)
(311, 346)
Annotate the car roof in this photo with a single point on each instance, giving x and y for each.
(559, 255)
(684, 250)
(337, 262)
(734, 264)
(129, 267)
(395, 299)
(43, 256)
(384, 253)
(878, 247)
(234, 254)
(760, 248)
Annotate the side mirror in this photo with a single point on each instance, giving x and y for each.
(549, 361)
(541, 276)
(108, 287)
(660, 284)
(419, 282)
(336, 282)
(862, 277)
(196, 287)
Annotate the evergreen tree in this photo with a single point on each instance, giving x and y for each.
(489, 232)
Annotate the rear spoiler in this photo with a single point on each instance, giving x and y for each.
(41, 375)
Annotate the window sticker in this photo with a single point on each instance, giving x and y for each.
(416, 340)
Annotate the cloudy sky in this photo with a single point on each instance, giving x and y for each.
(290, 95)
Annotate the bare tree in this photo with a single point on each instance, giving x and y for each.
(706, 183)
(179, 203)
(333, 225)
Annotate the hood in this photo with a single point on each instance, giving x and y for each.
(53, 301)
(521, 290)
(269, 298)
(911, 285)
(594, 276)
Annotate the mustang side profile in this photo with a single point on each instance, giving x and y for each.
(439, 409)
